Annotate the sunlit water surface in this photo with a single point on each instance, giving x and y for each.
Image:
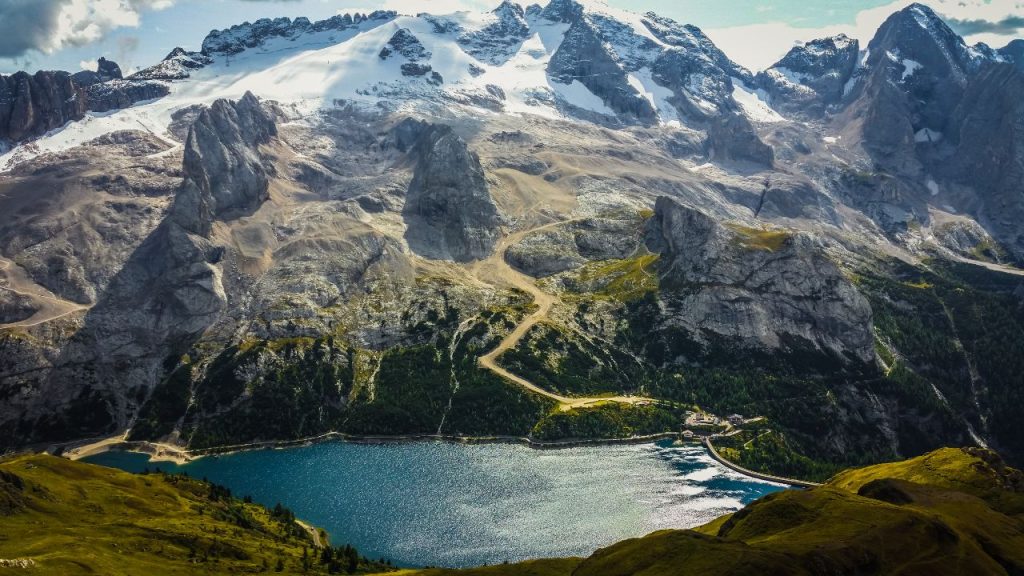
(455, 505)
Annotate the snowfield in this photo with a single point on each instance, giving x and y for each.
(308, 70)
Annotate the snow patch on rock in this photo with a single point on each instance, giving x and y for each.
(754, 103)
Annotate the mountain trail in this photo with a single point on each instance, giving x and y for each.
(497, 271)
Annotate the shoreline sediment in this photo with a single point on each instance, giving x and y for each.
(159, 452)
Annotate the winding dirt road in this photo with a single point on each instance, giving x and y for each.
(497, 271)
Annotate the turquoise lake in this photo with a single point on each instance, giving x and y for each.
(442, 504)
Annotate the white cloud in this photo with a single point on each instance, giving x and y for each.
(758, 46)
(50, 25)
(436, 6)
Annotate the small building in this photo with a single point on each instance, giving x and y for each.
(687, 434)
(736, 419)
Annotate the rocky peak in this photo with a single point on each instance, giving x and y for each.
(917, 39)
(812, 77)
(565, 11)
(822, 56)
(585, 57)
(224, 172)
(106, 71)
(1014, 52)
(178, 65)
(699, 74)
(914, 76)
(448, 211)
(509, 11)
(701, 89)
(766, 288)
(693, 40)
(499, 40)
(511, 21)
(405, 44)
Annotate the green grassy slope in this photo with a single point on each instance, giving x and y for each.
(66, 518)
(948, 512)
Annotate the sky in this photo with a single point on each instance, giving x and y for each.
(72, 34)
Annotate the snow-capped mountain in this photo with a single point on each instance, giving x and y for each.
(814, 76)
(567, 60)
(322, 216)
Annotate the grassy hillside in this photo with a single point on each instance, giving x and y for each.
(949, 512)
(63, 517)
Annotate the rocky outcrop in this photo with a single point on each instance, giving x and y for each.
(178, 65)
(501, 39)
(965, 237)
(785, 196)
(812, 77)
(106, 70)
(241, 37)
(31, 105)
(118, 94)
(765, 288)
(567, 247)
(225, 175)
(585, 57)
(564, 11)
(405, 44)
(732, 137)
(448, 210)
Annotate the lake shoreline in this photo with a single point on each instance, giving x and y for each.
(159, 452)
(454, 504)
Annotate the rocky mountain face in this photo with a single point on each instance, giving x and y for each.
(599, 70)
(596, 201)
(448, 210)
(989, 154)
(170, 289)
(767, 287)
(31, 105)
(177, 65)
(225, 176)
(1014, 52)
(917, 71)
(499, 40)
(812, 77)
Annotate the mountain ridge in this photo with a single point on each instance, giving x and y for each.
(300, 237)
